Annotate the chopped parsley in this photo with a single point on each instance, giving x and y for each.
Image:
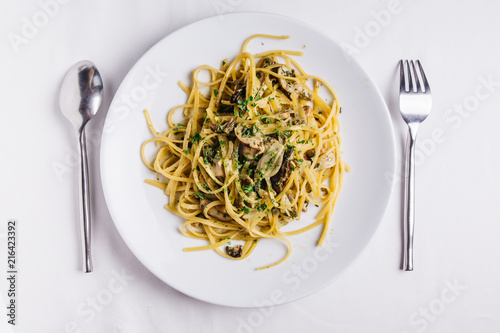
(199, 195)
(261, 207)
(265, 119)
(195, 138)
(247, 188)
(250, 131)
(243, 104)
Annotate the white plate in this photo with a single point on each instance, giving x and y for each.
(152, 233)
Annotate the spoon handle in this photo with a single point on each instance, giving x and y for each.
(85, 191)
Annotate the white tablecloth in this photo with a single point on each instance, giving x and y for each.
(455, 286)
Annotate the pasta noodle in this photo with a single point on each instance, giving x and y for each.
(259, 145)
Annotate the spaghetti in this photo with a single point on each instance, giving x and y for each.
(257, 147)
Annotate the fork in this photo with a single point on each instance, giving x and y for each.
(415, 105)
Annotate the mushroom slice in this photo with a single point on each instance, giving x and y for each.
(307, 110)
(298, 120)
(208, 152)
(217, 169)
(293, 86)
(219, 212)
(217, 165)
(325, 161)
(225, 109)
(270, 162)
(248, 137)
(310, 153)
(262, 193)
(285, 115)
(238, 95)
(267, 61)
(226, 127)
(280, 179)
(269, 143)
(247, 151)
(234, 251)
(287, 202)
(246, 180)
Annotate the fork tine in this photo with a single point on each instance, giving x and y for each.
(402, 83)
(417, 79)
(424, 78)
(410, 79)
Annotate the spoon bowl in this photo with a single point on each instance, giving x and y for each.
(81, 93)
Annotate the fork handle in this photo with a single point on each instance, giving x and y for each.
(409, 207)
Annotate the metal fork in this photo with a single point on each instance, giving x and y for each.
(415, 105)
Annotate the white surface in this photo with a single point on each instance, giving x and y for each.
(367, 139)
(454, 287)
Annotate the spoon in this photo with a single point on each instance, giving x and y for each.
(80, 99)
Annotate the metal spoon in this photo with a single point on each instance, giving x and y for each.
(80, 99)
